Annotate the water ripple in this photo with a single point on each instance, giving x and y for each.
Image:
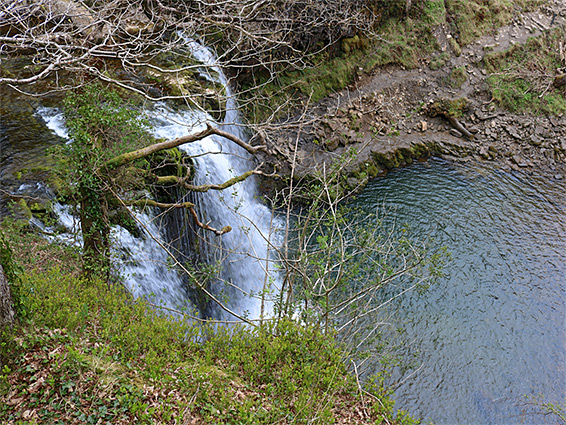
(492, 331)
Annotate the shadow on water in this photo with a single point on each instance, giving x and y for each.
(24, 139)
(491, 332)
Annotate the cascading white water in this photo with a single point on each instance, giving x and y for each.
(242, 254)
(142, 262)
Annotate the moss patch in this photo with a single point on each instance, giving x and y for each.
(449, 107)
(325, 76)
(457, 77)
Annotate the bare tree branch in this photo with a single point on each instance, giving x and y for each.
(157, 147)
(205, 226)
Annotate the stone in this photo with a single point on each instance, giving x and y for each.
(560, 81)
(513, 132)
(353, 182)
(536, 140)
(484, 153)
(332, 144)
(455, 133)
(540, 130)
(519, 161)
(424, 126)
(334, 126)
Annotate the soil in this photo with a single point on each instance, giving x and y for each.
(386, 117)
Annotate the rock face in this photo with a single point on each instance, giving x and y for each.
(7, 313)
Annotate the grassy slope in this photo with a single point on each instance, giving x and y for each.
(85, 353)
(519, 77)
(403, 41)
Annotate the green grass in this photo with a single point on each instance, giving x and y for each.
(472, 19)
(434, 12)
(405, 42)
(521, 77)
(88, 353)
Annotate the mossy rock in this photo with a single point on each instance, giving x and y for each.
(393, 159)
(455, 46)
(40, 207)
(354, 43)
(403, 156)
(439, 61)
(21, 210)
(457, 77)
(449, 107)
(368, 170)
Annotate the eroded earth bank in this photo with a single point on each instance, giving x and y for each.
(492, 100)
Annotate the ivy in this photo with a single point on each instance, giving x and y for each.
(101, 126)
(13, 272)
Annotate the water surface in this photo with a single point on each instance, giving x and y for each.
(492, 331)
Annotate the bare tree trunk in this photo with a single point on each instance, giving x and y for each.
(560, 80)
(7, 313)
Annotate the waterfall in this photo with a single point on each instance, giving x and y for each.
(141, 261)
(242, 254)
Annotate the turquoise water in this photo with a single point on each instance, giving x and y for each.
(492, 331)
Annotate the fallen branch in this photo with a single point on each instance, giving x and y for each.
(450, 109)
(459, 126)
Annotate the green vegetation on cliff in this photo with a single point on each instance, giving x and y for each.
(521, 77)
(88, 353)
(398, 37)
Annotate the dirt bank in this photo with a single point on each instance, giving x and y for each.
(385, 119)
